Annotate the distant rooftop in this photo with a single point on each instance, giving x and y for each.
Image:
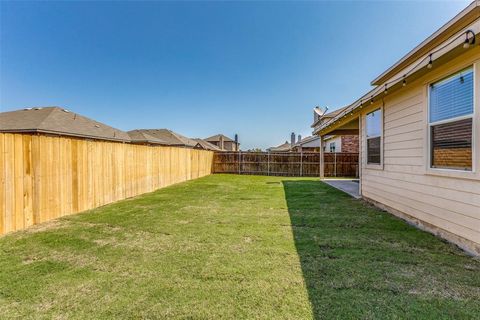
(281, 148)
(59, 121)
(161, 136)
(217, 137)
(207, 145)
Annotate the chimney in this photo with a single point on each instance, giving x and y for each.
(292, 138)
(236, 142)
(221, 142)
(299, 138)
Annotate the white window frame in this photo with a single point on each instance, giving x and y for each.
(368, 164)
(334, 145)
(472, 116)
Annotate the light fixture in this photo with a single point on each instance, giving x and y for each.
(386, 89)
(371, 100)
(430, 62)
(469, 41)
(404, 82)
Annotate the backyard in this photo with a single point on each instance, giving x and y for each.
(230, 246)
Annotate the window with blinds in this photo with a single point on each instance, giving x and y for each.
(451, 122)
(374, 136)
(332, 147)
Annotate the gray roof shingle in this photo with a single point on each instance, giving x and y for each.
(59, 121)
(216, 138)
(161, 136)
(285, 147)
(207, 145)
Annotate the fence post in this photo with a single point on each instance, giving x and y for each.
(268, 163)
(301, 164)
(322, 162)
(239, 162)
(335, 164)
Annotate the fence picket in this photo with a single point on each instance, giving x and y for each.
(45, 177)
(286, 164)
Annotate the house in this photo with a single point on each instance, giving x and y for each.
(224, 142)
(205, 145)
(162, 137)
(58, 121)
(308, 144)
(287, 146)
(345, 141)
(419, 133)
(284, 147)
(341, 143)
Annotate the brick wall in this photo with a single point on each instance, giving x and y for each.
(349, 143)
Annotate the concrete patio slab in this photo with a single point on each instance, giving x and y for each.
(348, 186)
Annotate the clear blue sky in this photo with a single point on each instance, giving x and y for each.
(201, 68)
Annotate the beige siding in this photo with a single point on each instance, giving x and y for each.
(448, 201)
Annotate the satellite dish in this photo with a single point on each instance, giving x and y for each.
(320, 111)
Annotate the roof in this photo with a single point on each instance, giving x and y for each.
(307, 140)
(334, 113)
(281, 148)
(207, 145)
(59, 121)
(140, 136)
(161, 136)
(329, 115)
(216, 138)
(445, 42)
(460, 21)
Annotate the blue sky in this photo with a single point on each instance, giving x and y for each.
(201, 68)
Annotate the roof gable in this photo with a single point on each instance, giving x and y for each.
(206, 145)
(217, 137)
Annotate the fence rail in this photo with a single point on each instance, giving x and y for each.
(45, 177)
(303, 164)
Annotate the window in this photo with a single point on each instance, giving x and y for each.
(374, 136)
(451, 122)
(332, 146)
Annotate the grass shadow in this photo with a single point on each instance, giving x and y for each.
(360, 262)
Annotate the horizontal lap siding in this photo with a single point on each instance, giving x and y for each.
(402, 183)
(46, 177)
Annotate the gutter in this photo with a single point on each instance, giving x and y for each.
(460, 21)
(414, 70)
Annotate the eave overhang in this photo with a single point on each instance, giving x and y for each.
(444, 52)
(459, 22)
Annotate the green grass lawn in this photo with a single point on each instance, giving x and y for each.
(228, 246)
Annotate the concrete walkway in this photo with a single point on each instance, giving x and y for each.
(347, 186)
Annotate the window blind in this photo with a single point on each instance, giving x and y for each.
(452, 97)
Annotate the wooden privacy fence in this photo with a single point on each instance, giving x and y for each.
(45, 177)
(302, 164)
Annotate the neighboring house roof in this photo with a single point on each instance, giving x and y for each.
(281, 148)
(142, 136)
(306, 140)
(59, 121)
(207, 145)
(161, 136)
(216, 138)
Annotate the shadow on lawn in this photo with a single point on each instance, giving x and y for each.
(327, 231)
(310, 206)
(360, 262)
